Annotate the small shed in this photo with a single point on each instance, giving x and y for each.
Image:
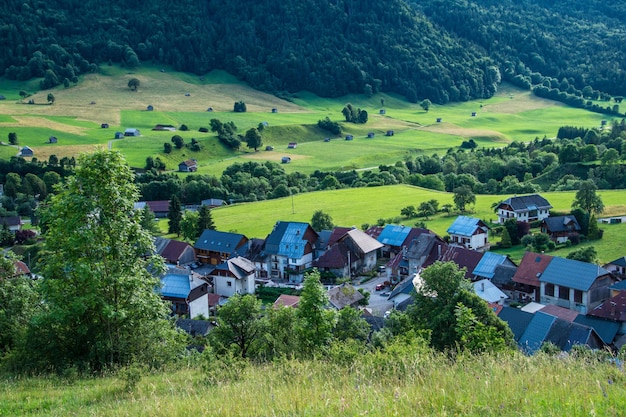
(326, 139)
(473, 114)
(209, 109)
(187, 94)
(349, 137)
(438, 119)
(389, 133)
(382, 111)
(150, 107)
(274, 110)
(52, 139)
(104, 126)
(269, 148)
(131, 131)
(190, 165)
(292, 145)
(285, 160)
(2, 97)
(26, 151)
(119, 135)
(370, 135)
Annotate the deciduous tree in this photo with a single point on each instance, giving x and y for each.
(321, 221)
(587, 198)
(101, 307)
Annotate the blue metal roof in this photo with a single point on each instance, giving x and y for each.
(292, 244)
(517, 320)
(175, 285)
(536, 332)
(464, 226)
(619, 286)
(570, 273)
(488, 263)
(213, 240)
(604, 328)
(393, 235)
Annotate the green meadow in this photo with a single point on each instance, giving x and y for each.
(180, 98)
(357, 206)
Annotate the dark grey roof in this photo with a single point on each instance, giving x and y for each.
(213, 240)
(517, 320)
(559, 223)
(618, 262)
(421, 246)
(194, 327)
(604, 328)
(527, 202)
(503, 275)
(376, 323)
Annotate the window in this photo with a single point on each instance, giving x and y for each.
(564, 293)
(578, 296)
(550, 290)
(229, 283)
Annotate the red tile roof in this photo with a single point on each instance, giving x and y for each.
(337, 233)
(287, 301)
(612, 309)
(530, 268)
(560, 312)
(174, 250)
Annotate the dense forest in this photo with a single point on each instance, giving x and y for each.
(439, 50)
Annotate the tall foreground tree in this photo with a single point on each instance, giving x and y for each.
(174, 215)
(101, 308)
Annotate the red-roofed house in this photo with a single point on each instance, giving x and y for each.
(190, 165)
(613, 309)
(174, 251)
(528, 273)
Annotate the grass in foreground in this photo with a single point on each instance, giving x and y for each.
(379, 384)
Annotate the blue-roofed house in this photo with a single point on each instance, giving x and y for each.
(469, 232)
(396, 238)
(234, 276)
(576, 285)
(517, 320)
(214, 247)
(606, 329)
(536, 332)
(187, 293)
(526, 208)
(486, 268)
(290, 250)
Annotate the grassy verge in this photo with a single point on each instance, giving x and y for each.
(378, 384)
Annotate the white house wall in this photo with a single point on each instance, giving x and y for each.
(199, 307)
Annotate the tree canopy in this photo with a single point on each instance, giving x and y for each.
(101, 307)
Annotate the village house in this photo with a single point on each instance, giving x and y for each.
(212, 202)
(190, 165)
(286, 300)
(174, 252)
(526, 209)
(354, 252)
(617, 267)
(27, 151)
(14, 223)
(187, 293)
(214, 247)
(290, 249)
(469, 232)
(159, 208)
(234, 276)
(560, 228)
(486, 268)
(527, 276)
(576, 285)
(131, 131)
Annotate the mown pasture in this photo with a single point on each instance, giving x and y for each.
(179, 98)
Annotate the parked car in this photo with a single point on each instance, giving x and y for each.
(384, 294)
(382, 269)
(380, 287)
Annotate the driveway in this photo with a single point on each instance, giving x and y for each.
(378, 304)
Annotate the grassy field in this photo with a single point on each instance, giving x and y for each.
(356, 206)
(380, 384)
(180, 98)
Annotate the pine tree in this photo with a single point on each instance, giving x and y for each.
(505, 242)
(175, 216)
(205, 220)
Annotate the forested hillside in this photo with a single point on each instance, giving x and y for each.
(578, 40)
(440, 50)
